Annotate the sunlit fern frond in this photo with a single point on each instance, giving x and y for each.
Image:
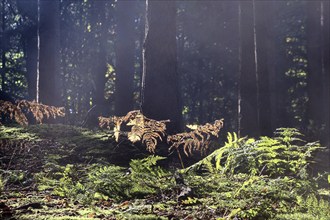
(197, 139)
(132, 115)
(190, 141)
(143, 129)
(157, 126)
(136, 133)
(39, 110)
(114, 122)
(150, 140)
(105, 122)
(192, 126)
(147, 130)
(212, 129)
(13, 111)
(117, 122)
(189, 146)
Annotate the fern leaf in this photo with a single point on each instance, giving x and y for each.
(196, 140)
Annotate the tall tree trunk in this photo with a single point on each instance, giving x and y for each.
(248, 101)
(325, 13)
(276, 68)
(262, 25)
(99, 68)
(29, 9)
(125, 56)
(31, 54)
(100, 58)
(315, 109)
(3, 48)
(326, 77)
(160, 92)
(49, 52)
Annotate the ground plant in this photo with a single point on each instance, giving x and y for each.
(244, 178)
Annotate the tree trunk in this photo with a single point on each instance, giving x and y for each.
(248, 102)
(3, 48)
(31, 55)
(160, 92)
(326, 67)
(99, 68)
(276, 68)
(29, 9)
(49, 33)
(315, 109)
(125, 56)
(262, 25)
(100, 56)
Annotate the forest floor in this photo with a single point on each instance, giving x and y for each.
(26, 151)
(62, 156)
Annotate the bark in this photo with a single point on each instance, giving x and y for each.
(97, 41)
(276, 68)
(315, 108)
(326, 66)
(31, 54)
(248, 102)
(125, 56)
(3, 49)
(100, 56)
(160, 92)
(263, 24)
(49, 52)
(29, 10)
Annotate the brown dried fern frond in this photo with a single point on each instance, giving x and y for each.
(105, 122)
(146, 130)
(39, 111)
(133, 115)
(143, 129)
(113, 121)
(14, 112)
(196, 140)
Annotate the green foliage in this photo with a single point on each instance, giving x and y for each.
(11, 177)
(109, 182)
(265, 178)
(286, 154)
(190, 201)
(243, 195)
(148, 177)
(103, 182)
(309, 208)
(64, 181)
(16, 133)
(318, 208)
(259, 179)
(2, 184)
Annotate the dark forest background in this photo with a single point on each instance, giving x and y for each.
(259, 65)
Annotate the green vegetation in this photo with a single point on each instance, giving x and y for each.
(265, 178)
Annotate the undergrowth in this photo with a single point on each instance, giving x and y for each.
(105, 182)
(265, 178)
(247, 178)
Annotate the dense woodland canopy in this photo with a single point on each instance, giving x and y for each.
(261, 66)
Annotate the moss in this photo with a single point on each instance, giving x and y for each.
(50, 217)
(17, 133)
(71, 135)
